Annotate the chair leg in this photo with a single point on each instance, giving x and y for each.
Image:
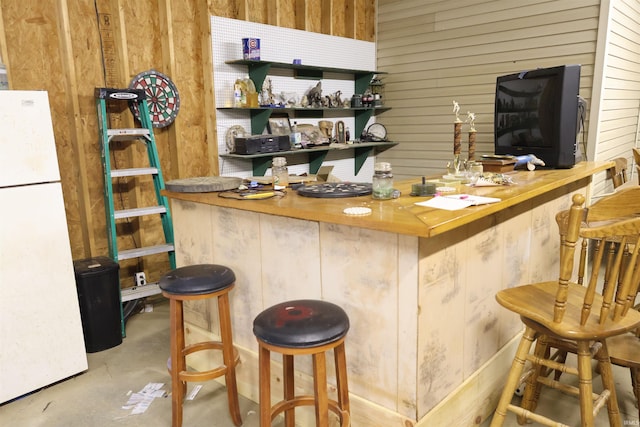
(178, 387)
(340, 357)
(608, 383)
(532, 390)
(264, 360)
(320, 385)
(288, 379)
(585, 383)
(514, 376)
(635, 383)
(228, 359)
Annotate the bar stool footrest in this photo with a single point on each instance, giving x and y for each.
(308, 400)
(211, 373)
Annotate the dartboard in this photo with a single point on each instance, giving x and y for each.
(163, 100)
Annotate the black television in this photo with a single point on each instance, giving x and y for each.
(536, 112)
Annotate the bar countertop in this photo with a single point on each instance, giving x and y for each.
(401, 215)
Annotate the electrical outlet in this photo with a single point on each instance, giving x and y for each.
(140, 279)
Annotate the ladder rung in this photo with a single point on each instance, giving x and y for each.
(130, 213)
(149, 250)
(116, 173)
(127, 134)
(137, 292)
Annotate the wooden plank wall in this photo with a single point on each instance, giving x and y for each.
(618, 110)
(69, 47)
(436, 52)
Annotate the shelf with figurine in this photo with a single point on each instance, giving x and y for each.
(366, 101)
(313, 140)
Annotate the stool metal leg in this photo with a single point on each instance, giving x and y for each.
(289, 389)
(228, 359)
(264, 360)
(320, 386)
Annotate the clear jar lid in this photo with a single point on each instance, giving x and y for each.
(382, 167)
(279, 161)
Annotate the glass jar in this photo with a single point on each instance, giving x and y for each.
(280, 173)
(382, 183)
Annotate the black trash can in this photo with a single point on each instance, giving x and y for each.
(98, 285)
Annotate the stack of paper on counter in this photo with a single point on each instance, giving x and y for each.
(457, 201)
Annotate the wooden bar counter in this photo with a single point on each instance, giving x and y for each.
(428, 344)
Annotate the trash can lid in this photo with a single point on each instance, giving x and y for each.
(94, 265)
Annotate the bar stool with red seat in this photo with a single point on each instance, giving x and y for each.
(198, 282)
(303, 327)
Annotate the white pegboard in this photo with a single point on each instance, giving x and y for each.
(280, 44)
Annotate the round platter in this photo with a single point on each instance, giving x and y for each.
(163, 100)
(335, 190)
(203, 184)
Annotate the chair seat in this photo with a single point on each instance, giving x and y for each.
(624, 350)
(301, 324)
(536, 302)
(197, 279)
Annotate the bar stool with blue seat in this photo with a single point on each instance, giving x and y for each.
(197, 282)
(303, 327)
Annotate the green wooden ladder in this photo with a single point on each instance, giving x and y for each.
(144, 134)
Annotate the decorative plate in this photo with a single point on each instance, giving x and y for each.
(230, 137)
(335, 190)
(163, 100)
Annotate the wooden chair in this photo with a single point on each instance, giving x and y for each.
(624, 350)
(618, 172)
(570, 313)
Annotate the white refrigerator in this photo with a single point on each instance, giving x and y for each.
(41, 339)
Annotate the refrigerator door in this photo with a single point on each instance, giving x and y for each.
(27, 147)
(41, 338)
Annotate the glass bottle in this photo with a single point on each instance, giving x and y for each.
(382, 183)
(280, 173)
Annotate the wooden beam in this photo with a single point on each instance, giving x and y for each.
(75, 125)
(209, 100)
(169, 65)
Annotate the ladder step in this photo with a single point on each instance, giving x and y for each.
(117, 173)
(131, 213)
(137, 292)
(114, 94)
(148, 250)
(127, 134)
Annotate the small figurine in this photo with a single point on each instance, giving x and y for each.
(471, 118)
(456, 110)
(267, 93)
(314, 96)
(530, 161)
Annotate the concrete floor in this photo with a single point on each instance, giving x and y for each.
(96, 397)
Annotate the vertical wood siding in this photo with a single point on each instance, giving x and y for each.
(615, 127)
(439, 51)
(70, 47)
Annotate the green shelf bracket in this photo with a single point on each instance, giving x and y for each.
(258, 72)
(360, 156)
(260, 165)
(315, 161)
(259, 119)
(362, 81)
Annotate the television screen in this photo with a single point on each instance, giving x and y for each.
(536, 113)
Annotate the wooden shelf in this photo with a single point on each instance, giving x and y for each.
(258, 71)
(262, 161)
(260, 116)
